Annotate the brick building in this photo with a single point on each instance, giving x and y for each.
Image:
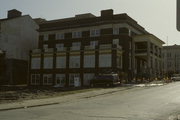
(83, 46)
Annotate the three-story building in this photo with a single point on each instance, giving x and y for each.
(74, 50)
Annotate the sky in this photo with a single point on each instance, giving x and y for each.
(156, 16)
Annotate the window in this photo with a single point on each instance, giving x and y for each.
(130, 61)
(169, 65)
(116, 41)
(72, 78)
(105, 60)
(59, 46)
(47, 79)
(61, 62)
(130, 45)
(89, 61)
(93, 43)
(45, 46)
(74, 62)
(95, 32)
(115, 31)
(169, 55)
(76, 46)
(59, 36)
(152, 62)
(60, 79)
(35, 63)
(87, 78)
(48, 62)
(129, 33)
(76, 34)
(119, 61)
(35, 79)
(46, 37)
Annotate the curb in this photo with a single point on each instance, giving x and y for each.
(31, 106)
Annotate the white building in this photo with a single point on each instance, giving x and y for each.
(171, 56)
(18, 35)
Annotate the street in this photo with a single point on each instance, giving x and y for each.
(138, 103)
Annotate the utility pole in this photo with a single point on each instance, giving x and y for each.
(175, 63)
(178, 15)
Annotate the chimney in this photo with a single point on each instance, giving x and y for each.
(107, 14)
(13, 13)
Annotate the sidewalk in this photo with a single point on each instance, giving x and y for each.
(67, 98)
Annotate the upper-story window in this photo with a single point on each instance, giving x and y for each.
(59, 45)
(129, 33)
(169, 55)
(76, 34)
(46, 37)
(115, 41)
(95, 32)
(93, 43)
(76, 46)
(115, 31)
(45, 46)
(35, 63)
(48, 62)
(59, 36)
(105, 60)
(130, 45)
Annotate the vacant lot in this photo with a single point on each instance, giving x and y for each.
(12, 94)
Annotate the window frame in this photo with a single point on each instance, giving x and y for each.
(35, 76)
(49, 79)
(95, 32)
(38, 65)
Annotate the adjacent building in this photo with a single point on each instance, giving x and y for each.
(171, 56)
(72, 51)
(18, 35)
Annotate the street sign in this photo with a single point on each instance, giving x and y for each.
(178, 15)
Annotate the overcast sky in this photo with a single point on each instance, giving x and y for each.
(156, 16)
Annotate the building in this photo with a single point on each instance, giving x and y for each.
(72, 51)
(148, 56)
(2, 66)
(171, 56)
(18, 35)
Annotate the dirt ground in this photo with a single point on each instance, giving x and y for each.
(12, 94)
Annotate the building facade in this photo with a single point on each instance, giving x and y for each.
(73, 50)
(18, 35)
(171, 60)
(148, 56)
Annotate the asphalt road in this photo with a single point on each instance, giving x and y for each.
(140, 103)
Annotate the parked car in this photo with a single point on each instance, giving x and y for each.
(105, 80)
(175, 77)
